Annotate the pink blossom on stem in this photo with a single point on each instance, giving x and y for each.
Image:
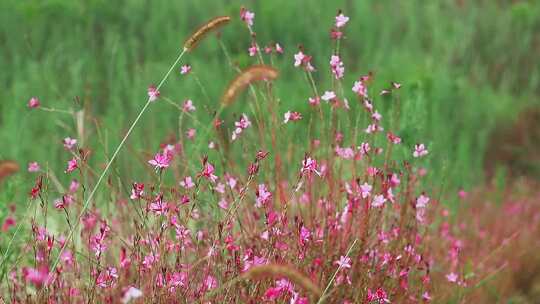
(153, 93)
(69, 143)
(247, 16)
(72, 165)
(420, 150)
(185, 69)
(188, 106)
(33, 103)
(33, 167)
(160, 161)
(341, 20)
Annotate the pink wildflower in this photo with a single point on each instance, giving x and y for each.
(452, 277)
(378, 201)
(153, 93)
(291, 116)
(188, 106)
(33, 167)
(33, 103)
(131, 293)
(365, 189)
(341, 20)
(240, 125)
(420, 150)
(185, 69)
(343, 262)
(263, 196)
(208, 172)
(314, 101)
(247, 16)
(187, 182)
(69, 143)
(72, 165)
(190, 133)
(337, 67)
(160, 161)
(253, 49)
(137, 191)
(328, 96)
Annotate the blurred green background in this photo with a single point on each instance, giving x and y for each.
(466, 67)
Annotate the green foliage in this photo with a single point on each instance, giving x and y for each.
(463, 68)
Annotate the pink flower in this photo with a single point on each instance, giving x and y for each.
(299, 58)
(365, 189)
(208, 172)
(247, 16)
(160, 161)
(279, 48)
(74, 186)
(291, 116)
(337, 67)
(240, 125)
(341, 20)
(158, 206)
(263, 196)
(153, 93)
(452, 277)
(364, 148)
(72, 165)
(378, 201)
(33, 167)
(360, 88)
(210, 282)
(187, 182)
(462, 194)
(379, 296)
(328, 96)
(38, 276)
(253, 49)
(314, 101)
(420, 150)
(393, 138)
(107, 278)
(137, 191)
(131, 293)
(69, 143)
(188, 106)
(309, 165)
(373, 128)
(8, 223)
(343, 262)
(185, 69)
(223, 204)
(376, 116)
(33, 103)
(190, 133)
(396, 85)
(422, 201)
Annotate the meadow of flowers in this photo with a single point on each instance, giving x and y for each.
(244, 209)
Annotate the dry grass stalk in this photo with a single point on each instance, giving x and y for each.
(246, 77)
(202, 31)
(7, 168)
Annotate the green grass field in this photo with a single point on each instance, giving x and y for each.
(469, 69)
(465, 65)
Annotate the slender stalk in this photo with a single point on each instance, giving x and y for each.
(87, 202)
(321, 299)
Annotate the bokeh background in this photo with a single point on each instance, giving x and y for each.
(470, 71)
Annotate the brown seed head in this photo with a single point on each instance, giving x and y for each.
(7, 168)
(246, 77)
(202, 31)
